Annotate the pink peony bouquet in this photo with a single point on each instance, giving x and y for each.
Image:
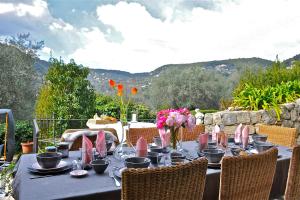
(173, 119)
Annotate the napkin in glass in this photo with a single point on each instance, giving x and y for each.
(87, 150)
(238, 134)
(141, 147)
(245, 136)
(165, 137)
(215, 132)
(203, 141)
(101, 144)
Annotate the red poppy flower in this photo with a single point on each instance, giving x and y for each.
(120, 87)
(134, 90)
(112, 83)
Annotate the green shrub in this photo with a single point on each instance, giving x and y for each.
(23, 133)
(276, 74)
(269, 97)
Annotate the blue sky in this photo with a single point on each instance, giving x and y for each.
(141, 35)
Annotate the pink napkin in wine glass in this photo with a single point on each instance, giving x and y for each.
(245, 136)
(238, 133)
(165, 137)
(215, 132)
(203, 141)
(101, 143)
(87, 150)
(141, 147)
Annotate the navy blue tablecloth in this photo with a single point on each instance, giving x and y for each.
(102, 187)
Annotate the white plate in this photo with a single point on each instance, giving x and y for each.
(78, 173)
(60, 165)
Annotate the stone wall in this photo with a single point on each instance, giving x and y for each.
(290, 117)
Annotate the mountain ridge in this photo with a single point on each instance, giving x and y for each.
(227, 67)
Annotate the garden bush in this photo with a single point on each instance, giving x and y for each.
(23, 133)
(276, 74)
(270, 97)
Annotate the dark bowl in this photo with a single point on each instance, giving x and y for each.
(211, 147)
(259, 138)
(49, 159)
(175, 155)
(212, 143)
(156, 149)
(213, 155)
(137, 162)
(154, 157)
(262, 146)
(99, 166)
(157, 141)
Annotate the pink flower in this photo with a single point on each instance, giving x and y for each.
(191, 121)
(180, 119)
(170, 121)
(175, 118)
(161, 122)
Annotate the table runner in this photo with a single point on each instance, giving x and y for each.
(96, 186)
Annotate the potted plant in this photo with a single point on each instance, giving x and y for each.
(24, 136)
(27, 147)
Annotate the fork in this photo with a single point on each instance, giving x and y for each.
(111, 174)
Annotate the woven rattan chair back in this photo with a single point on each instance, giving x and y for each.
(185, 181)
(193, 134)
(279, 135)
(248, 177)
(147, 133)
(78, 141)
(292, 191)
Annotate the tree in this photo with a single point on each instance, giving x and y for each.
(192, 88)
(23, 42)
(66, 92)
(18, 77)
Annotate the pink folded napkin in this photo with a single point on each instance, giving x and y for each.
(245, 136)
(101, 144)
(203, 140)
(238, 133)
(87, 150)
(141, 147)
(165, 137)
(215, 132)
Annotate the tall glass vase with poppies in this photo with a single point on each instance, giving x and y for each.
(125, 148)
(173, 120)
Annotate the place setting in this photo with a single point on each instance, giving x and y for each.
(49, 164)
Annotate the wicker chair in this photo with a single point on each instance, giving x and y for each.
(248, 177)
(146, 133)
(194, 134)
(279, 135)
(185, 181)
(78, 141)
(293, 183)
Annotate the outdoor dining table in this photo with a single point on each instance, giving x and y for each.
(101, 186)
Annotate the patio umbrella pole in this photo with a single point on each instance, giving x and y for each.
(5, 137)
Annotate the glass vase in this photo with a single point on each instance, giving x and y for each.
(125, 149)
(174, 138)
